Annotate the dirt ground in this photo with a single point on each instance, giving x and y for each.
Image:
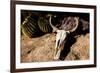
(41, 49)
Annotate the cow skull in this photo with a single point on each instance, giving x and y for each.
(60, 38)
(60, 41)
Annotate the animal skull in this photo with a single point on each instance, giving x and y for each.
(61, 37)
(60, 41)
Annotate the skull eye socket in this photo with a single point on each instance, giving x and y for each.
(55, 32)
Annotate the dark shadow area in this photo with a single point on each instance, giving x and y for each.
(70, 41)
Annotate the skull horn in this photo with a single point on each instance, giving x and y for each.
(77, 23)
(54, 28)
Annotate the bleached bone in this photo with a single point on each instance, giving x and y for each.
(61, 36)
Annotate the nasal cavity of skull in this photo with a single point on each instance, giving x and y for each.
(58, 43)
